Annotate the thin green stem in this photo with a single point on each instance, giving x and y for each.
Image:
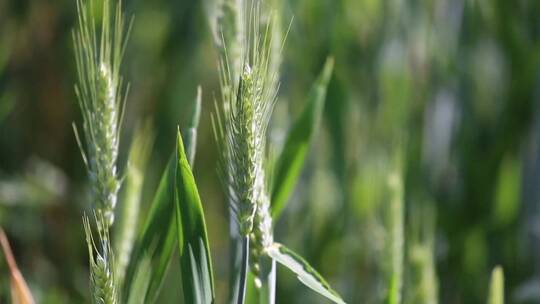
(267, 292)
(243, 271)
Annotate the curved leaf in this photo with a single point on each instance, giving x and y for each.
(305, 273)
(290, 162)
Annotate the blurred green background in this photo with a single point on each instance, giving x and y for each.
(452, 86)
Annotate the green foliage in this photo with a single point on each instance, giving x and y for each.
(291, 160)
(195, 259)
(157, 238)
(457, 80)
(141, 281)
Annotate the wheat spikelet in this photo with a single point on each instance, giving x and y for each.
(101, 263)
(261, 237)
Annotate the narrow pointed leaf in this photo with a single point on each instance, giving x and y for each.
(141, 281)
(291, 160)
(496, 289)
(305, 273)
(195, 259)
(158, 237)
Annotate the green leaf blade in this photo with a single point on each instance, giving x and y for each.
(195, 259)
(141, 281)
(305, 273)
(157, 238)
(291, 160)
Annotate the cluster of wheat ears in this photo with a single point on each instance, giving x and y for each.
(128, 263)
(129, 259)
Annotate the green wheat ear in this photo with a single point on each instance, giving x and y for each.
(101, 96)
(240, 124)
(101, 263)
(240, 127)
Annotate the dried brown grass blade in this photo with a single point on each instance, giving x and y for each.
(20, 293)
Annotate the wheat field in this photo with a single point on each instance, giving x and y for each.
(270, 151)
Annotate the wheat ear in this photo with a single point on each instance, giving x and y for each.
(102, 277)
(101, 97)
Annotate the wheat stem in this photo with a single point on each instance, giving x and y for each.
(396, 239)
(241, 297)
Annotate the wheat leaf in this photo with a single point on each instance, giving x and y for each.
(141, 281)
(305, 273)
(195, 260)
(158, 236)
(291, 160)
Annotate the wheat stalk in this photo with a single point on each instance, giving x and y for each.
(395, 238)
